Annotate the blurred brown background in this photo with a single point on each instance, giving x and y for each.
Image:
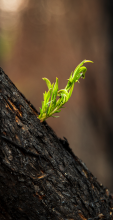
(49, 38)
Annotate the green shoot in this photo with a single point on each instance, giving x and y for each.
(54, 99)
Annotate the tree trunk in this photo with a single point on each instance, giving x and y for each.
(40, 177)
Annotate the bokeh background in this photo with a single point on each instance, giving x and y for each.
(46, 38)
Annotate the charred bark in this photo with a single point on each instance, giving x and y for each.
(40, 177)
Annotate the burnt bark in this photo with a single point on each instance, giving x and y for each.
(40, 177)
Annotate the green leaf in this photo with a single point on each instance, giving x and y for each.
(62, 92)
(57, 111)
(54, 116)
(55, 90)
(47, 82)
(88, 61)
(54, 99)
(83, 70)
(70, 92)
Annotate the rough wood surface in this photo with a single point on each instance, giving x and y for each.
(40, 177)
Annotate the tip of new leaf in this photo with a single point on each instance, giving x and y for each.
(88, 61)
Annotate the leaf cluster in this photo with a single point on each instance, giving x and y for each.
(55, 99)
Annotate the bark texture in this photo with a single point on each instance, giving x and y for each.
(40, 177)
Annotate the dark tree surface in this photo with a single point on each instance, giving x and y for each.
(40, 177)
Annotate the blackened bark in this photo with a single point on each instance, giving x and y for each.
(40, 177)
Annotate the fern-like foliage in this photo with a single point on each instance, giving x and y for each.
(54, 99)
